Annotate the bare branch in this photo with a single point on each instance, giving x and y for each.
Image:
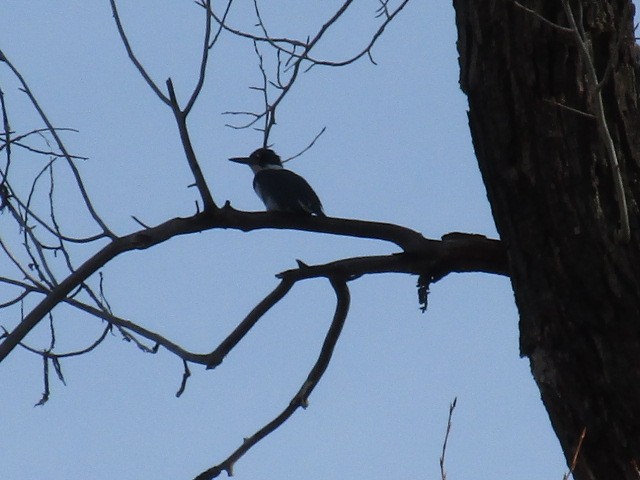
(40, 131)
(239, 33)
(452, 406)
(435, 261)
(307, 147)
(7, 139)
(407, 239)
(205, 56)
(148, 334)
(76, 353)
(181, 120)
(215, 358)
(598, 106)
(300, 399)
(613, 60)
(44, 224)
(220, 22)
(185, 377)
(570, 109)
(342, 309)
(576, 454)
(45, 375)
(133, 58)
(12, 258)
(544, 20)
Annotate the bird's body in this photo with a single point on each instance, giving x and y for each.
(280, 189)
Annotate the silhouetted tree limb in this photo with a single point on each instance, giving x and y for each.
(459, 253)
(301, 398)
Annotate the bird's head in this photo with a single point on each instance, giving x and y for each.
(260, 159)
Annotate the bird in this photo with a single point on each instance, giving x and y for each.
(280, 190)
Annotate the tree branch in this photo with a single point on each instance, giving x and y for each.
(598, 107)
(181, 120)
(125, 41)
(457, 252)
(215, 358)
(301, 398)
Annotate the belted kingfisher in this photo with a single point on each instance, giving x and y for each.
(280, 189)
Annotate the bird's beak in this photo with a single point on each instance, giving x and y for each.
(243, 160)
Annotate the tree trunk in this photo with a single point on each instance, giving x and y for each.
(552, 190)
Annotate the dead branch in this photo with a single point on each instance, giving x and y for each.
(301, 398)
(181, 120)
(455, 253)
(452, 406)
(598, 110)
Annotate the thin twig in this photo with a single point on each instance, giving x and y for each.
(133, 58)
(203, 61)
(570, 109)
(452, 406)
(574, 460)
(598, 106)
(7, 138)
(185, 377)
(544, 20)
(616, 50)
(307, 147)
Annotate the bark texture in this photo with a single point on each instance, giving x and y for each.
(551, 189)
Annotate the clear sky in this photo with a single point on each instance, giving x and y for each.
(396, 149)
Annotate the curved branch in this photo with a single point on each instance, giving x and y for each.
(133, 58)
(215, 358)
(405, 238)
(603, 128)
(203, 61)
(300, 399)
(48, 354)
(409, 240)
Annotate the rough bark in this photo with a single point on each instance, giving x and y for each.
(551, 189)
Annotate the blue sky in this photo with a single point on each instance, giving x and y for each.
(396, 149)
